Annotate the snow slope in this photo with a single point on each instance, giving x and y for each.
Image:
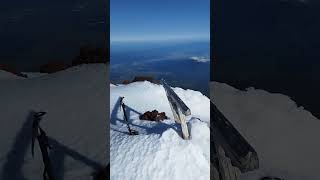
(34, 74)
(158, 152)
(75, 101)
(285, 136)
(4, 75)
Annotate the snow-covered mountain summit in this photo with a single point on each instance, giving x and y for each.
(158, 152)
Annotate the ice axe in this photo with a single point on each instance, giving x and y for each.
(39, 134)
(131, 131)
(37, 117)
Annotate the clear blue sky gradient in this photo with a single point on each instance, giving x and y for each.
(148, 20)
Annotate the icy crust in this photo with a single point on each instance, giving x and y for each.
(158, 152)
(284, 135)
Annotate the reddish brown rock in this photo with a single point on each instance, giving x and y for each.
(145, 78)
(153, 116)
(162, 116)
(142, 78)
(126, 82)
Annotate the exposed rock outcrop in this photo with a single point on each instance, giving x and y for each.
(142, 78)
(153, 116)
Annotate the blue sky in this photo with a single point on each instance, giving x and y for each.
(148, 20)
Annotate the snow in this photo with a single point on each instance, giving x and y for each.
(34, 74)
(158, 152)
(74, 100)
(4, 75)
(283, 134)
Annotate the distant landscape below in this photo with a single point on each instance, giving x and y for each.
(181, 64)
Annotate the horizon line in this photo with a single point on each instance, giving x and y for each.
(188, 38)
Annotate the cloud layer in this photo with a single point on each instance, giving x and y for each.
(200, 59)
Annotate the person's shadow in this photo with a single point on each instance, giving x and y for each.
(12, 169)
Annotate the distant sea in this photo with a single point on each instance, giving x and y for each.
(181, 64)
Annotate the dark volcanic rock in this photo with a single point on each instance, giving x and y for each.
(126, 82)
(162, 116)
(140, 79)
(153, 116)
(145, 78)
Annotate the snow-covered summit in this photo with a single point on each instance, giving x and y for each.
(158, 152)
(5, 75)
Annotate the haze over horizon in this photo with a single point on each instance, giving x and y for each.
(143, 20)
